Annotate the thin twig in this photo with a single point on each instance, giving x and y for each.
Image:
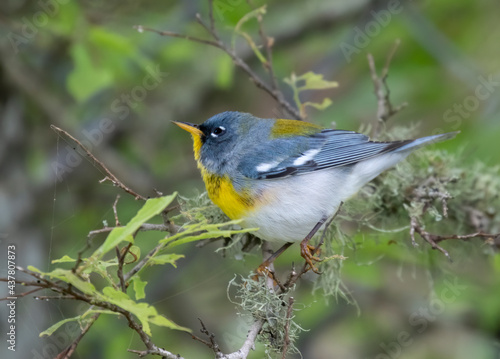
(143, 228)
(142, 262)
(211, 336)
(109, 176)
(268, 43)
(327, 225)
(295, 276)
(385, 109)
(50, 297)
(121, 260)
(287, 326)
(211, 16)
(141, 28)
(66, 353)
(487, 236)
(272, 90)
(20, 295)
(117, 221)
(70, 291)
(428, 238)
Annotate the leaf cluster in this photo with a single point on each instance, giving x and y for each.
(100, 281)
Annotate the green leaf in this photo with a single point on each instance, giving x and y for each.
(152, 207)
(309, 81)
(211, 234)
(315, 81)
(320, 106)
(165, 258)
(86, 77)
(50, 330)
(139, 286)
(237, 31)
(143, 311)
(203, 230)
(69, 277)
(64, 259)
(250, 15)
(33, 269)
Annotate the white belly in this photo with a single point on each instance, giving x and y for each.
(294, 205)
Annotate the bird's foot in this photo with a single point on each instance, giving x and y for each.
(307, 252)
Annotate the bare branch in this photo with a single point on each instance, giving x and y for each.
(385, 109)
(117, 221)
(249, 343)
(211, 336)
(268, 43)
(50, 297)
(121, 260)
(141, 28)
(294, 276)
(70, 291)
(487, 236)
(272, 90)
(428, 238)
(287, 326)
(211, 16)
(66, 353)
(109, 176)
(21, 294)
(142, 262)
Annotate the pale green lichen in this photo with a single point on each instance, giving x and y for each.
(256, 300)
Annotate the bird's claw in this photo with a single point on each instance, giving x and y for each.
(306, 251)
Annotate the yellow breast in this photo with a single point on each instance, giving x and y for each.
(221, 190)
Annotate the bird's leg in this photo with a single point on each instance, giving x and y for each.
(264, 267)
(307, 251)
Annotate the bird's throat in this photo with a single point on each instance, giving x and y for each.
(222, 192)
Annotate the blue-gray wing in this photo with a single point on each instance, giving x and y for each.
(326, 149)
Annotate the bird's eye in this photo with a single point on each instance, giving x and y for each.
(218, 131)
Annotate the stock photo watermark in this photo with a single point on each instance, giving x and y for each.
(464, 109)
(363, 36)
(31, 25)
(420, 319)
(121, 107)
(10, 267)
(61, 339)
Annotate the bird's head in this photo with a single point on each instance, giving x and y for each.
(219, 141)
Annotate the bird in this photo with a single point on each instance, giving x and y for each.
(288, 177)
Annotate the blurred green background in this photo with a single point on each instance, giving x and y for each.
(81, 66)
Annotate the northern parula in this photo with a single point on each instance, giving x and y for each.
(286, 176)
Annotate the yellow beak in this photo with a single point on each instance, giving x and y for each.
(190, 127)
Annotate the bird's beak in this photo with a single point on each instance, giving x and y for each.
(190, 127)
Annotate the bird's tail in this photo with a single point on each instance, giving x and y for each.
(424, 141)
(366, 170)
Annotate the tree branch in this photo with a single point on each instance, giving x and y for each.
(287, 326)
(109, 176)
(272, 89)
(385, 109)
(68, 352)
